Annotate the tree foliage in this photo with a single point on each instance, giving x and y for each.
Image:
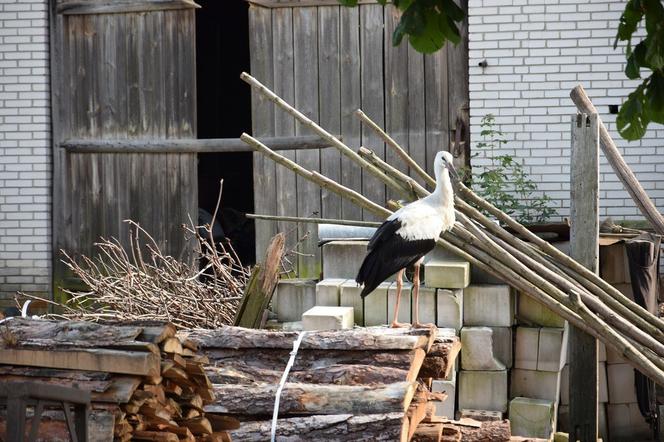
(645, 104)
(427, 23)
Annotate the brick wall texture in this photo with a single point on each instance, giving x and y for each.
(537, 51)
(25, 152)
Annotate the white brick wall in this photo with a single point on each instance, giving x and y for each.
(25, 148)
(537, 51)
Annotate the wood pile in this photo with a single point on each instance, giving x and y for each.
(146, 383)
(360, 384)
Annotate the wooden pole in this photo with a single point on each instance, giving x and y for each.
(584, 248)
(620, 167)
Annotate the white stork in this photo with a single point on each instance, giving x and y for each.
(409, 234)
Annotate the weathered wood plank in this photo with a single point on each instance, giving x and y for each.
(122, 6)
(305, 63)
(262, 118)
(349, 38)
(584, 247)
(371, 54)
(457, 87)
(417, 127)
(329, 58)
(437, 103)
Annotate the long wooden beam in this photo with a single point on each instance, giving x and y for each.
(617, 162)
(210, 145)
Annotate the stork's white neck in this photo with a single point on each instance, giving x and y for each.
(443, 195)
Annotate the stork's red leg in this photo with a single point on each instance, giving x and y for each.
(416, 295)
(394, 323)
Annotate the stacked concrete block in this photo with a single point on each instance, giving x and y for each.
(327, 318)
(342, 259)
(532, 417)
(446, 408)
(480, 415)
(446, 274)
(488, 305)
(427, 303)
(602, 385)
(626, 424)
(404, 315)
(375, 306)
(349, 296)
(535, 384)
(328, 291)
(526, 348)
(292, 298)
(449, 309)
(486, 348)
(483, 390)
(531, 312)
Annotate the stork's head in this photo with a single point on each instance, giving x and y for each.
(444, 162)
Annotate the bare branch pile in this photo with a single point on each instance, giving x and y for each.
(143, 283)
(532, 266)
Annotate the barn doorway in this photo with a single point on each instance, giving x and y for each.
(224, 111)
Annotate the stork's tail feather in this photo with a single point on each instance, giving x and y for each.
(369, 274)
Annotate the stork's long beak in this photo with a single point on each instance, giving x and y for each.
(453, 172)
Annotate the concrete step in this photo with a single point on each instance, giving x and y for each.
(488, 305)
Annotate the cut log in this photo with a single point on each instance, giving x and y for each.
(312, 399)
(428, 433)
(159, 436)
(119, 392)
(494, 431)
(100, 428)
(451, 434)
(440, 360)
(113, 361)
(345, 427)
(197, 426)
(24, 329)
(172, 345)
(417, 411)
(222, 423)
(372, 338)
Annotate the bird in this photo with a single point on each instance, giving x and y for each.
(408, 235)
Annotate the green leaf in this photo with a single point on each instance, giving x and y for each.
(348, 2)
(632, 119)
(640, 54)
(654, 12)
(452, 10)
(632, 68)
(450, 30)
(655, 97)
(654, 56)
(432, 36)
(629, 20)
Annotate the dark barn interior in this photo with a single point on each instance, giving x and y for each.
(224, 111)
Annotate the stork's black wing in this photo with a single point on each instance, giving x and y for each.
(388, 253)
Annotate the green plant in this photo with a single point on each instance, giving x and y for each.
(505, 182)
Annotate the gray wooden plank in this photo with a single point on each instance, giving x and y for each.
(436, 112)
(396, 94)
(351, 175)
(416, 111)
(457, 87)
(584, 247)
(284, 124)
(305, 50)
(262, 118)
(371, 54)
(329, 97)
(122, 162)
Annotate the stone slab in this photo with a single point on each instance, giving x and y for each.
(292, 298)
(526, 347)
(531, 417)
(328, 291)
(350, 297)
(530, 312)
(449, 308)
(445, 408)
(488, 305)
(342, 259)
(446, 274)
(620, 379)
(375, 306)
(328, 318)
(535, 384)
(404, 315)
(484, 390)
(552, 349)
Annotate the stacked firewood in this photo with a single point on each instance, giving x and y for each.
(360, 384)
(145, 383)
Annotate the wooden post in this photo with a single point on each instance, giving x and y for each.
(584, 247)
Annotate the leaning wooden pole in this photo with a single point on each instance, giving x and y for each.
(617, 162)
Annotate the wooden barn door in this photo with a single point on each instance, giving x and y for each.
(123, 73)
(329, 61)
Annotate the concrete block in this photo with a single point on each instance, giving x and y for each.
(342, 259)
(328, 318)
(603, 384)
(525, 348)
(602, 421)
(293, 297)
(477, 349)
(447, 274)
(404, 305)
(564, 385)
(531, 312)
(531, 417)
(449, 311)
(328, 291)
(445, 408)
(427, 305)
(488, 305)
(483, 390)
(480, 415)
(614, 358)
(349, 296)
(375, 306)
(552, 349)
(601, 352)
(626, 423)
(535, 384)
(503, 345)
(620, 379)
